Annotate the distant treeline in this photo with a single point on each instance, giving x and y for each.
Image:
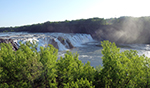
(120, 30)
(61, 26)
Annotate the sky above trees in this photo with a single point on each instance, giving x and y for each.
(24, 12)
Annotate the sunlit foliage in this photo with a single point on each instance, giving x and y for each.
(27, 68)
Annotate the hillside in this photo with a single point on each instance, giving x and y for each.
(119, 30)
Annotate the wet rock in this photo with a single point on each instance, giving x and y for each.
(54, 43)
(62, 40)
(14, 45)
(70, 44)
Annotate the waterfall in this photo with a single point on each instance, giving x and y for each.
(60, 45)
(62, 41)
(78, 39)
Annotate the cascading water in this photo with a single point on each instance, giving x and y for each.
(78, 39)
(86, 47)
(60, 45)
(66, 41)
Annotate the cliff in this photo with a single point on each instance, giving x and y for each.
(119, 30)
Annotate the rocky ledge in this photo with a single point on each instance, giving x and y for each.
(61, 41)
(14, 44)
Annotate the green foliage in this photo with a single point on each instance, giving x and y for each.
(123, 69)
(70, 68)
(82, 25)
(48, 57)
(27, 68)
(79, 84)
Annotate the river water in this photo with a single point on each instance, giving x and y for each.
(93, 53)
(85, 46)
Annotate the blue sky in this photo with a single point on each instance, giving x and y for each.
(25, 12)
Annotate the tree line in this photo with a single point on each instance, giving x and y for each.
(66, 26)
(81, 24)
(120, 30)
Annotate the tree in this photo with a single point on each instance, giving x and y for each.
(123, 69)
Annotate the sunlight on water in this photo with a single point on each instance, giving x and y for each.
(84, 45)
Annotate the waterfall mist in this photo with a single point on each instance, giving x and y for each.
(126, 30)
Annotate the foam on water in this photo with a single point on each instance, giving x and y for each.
(60, 45)
(43, 39)
(85, 45)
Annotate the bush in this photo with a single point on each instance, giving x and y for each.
(79, 84)
(28, 68)
(70, 69)
(123, 69)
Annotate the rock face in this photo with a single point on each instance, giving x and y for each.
(62, 40)
(14, 45)
(66, 42)
(70, 44)
(54, 43)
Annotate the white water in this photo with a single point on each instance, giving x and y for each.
(43, 39)
(85, 45)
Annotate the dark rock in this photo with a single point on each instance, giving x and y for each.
(70, 44)
(14, 45)
(62, 40)
(54, 43)
(66, 43)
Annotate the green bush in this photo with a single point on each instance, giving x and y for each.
(80, 84)
(27, 68)
(123, 69)
(70, 69)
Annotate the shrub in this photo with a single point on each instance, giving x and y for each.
(123, 69)
(70, 69)
(79, 84)
(28, 68)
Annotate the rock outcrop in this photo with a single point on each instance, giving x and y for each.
(14, 45)
(66, 42)
(70, 44)
(54, 43)
(62, 40)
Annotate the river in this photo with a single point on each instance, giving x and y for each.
(84, 45)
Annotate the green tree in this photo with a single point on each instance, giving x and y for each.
(80, 84)
(70, 69)
(26, 67)
(123, 69)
